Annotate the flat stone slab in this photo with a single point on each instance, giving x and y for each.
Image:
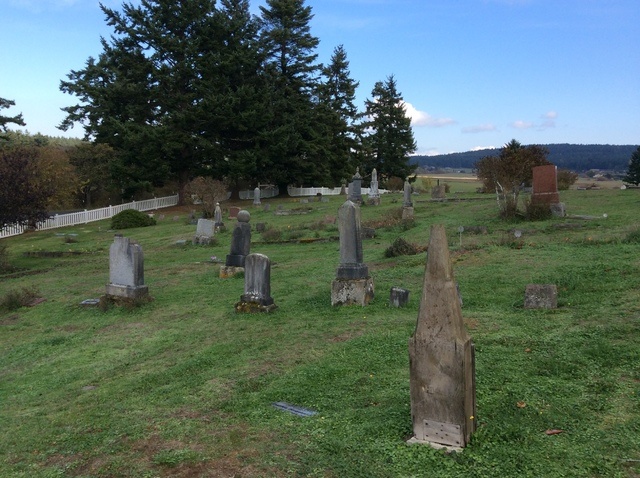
(541, 296)
(230, 271)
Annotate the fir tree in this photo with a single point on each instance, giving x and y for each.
(633, 173)
(391, 142)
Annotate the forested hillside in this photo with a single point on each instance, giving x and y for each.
(576, 157)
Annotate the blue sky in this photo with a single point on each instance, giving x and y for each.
(474, 73)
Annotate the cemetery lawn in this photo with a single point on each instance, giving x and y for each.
(183, 386)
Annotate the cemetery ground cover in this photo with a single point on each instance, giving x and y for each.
(184, 386)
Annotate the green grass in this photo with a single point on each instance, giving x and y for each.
(183, 386)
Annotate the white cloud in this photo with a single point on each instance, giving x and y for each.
(481, 128)
(422, 118)
(548, 121)
(550, 115)
(480, 148)
(522, 124)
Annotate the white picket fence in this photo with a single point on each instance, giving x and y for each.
(294, 192)
(83, 217)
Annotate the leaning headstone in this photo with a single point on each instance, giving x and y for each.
(407, 204)
(352, 285)
(441, 357)
(374, 192)
(240, 246)
(541, 296)
(257, 285)
(126, 270)
(398, 297)
(256, 196)
(217, 216)
(204, 232)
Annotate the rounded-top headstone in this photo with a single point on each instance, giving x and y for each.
(244, 216)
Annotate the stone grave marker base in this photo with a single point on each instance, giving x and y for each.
(230, 271)
(407, 212)
(373, 201)
(127, 291)
(254, 307)
(352, 291)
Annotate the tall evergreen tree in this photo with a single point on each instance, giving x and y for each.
(5, 120)
(336, 96)
(291, 154)
(390, 140)
(633, 172)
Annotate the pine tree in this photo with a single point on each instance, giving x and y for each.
(633, 173)
(337, 97)
(391, 142)
(292, 155)
(5, 120)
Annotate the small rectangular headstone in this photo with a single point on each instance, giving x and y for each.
(398, 297)
(541, 296)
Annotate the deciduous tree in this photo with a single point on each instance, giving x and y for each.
(507, 172)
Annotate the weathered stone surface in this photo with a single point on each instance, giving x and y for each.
(352, 291)
(261, 227)
(227, 272)
(126, 269)
(407, 212)
(351, 256)
(558, 209)
(407, 195)
(240, 241)
(217, 216)
(233, 212)
(204, 231)
(439, 192)
(374, 192)
(257, 285)
(545, 185)
(368, 233)
(355, 189)
(441, 357)
(541, 296)
(398, 297)
(256, 197)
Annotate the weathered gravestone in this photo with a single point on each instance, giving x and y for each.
(217, 216)
(352, 285)
(356, 188)
(261, 227)
(240, 246)
(126, 270)
(233, 212)
(545, 189)
(204, 232)
(374, 192)
(407, 204)
(256, 196)
(257, 285)
(439, 192)
(441, 357)
(398, 297)
(541, 296)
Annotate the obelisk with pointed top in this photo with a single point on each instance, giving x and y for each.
(441, 357)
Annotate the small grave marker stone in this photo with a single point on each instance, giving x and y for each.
(541, 296)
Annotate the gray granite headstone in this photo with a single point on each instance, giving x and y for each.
(356, 190)
(126, 269)
(240, 241)
(398, 297)
(257, 285)
(204, 231)
(256, 196)
(217, 216)
(352, 285)
(407, 195)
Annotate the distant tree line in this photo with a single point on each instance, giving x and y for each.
(204, 88)
(576, 157)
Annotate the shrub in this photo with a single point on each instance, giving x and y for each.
(271, 235)
(537, 212)
(566, 178)
(394, 183)
(131, 218)
(633, 237)
(14, 299)
(400, 247)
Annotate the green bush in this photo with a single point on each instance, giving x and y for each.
(131, 218)
(14, 299)
(400, 247)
